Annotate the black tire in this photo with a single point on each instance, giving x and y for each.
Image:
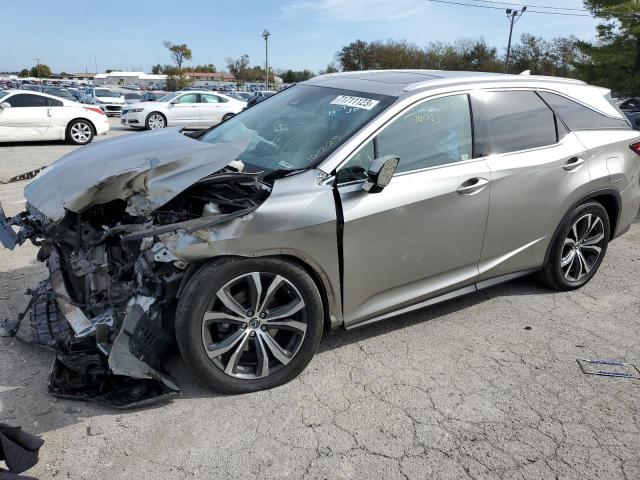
(149, 124)
(552, 274)
(80, 132)
(200, 294)
(227, 116)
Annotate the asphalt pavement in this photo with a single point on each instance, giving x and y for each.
(486, 386)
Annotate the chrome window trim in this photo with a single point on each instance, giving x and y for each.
(357, 141)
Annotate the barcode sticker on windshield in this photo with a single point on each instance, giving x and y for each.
(355, 102)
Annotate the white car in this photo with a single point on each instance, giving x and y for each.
(35, 116)
(109, 100)
(185, 108)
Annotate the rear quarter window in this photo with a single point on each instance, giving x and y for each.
(580, 117)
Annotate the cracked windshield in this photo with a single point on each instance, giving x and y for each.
(299, 127)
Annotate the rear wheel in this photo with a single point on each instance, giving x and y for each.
(155, 121)
(80, 132)
(578, 249)
(249, 324)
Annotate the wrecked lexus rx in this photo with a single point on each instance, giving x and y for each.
(348, 199)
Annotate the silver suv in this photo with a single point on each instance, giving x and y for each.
(347, 199)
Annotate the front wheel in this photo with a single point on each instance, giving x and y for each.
(227, 116)
(245, 325)
(155, 121)
(578, 249)
(80, 132)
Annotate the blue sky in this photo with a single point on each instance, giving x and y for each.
(65, 34)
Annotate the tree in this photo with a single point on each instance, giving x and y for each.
(157, 69)
(209, 68)
(239, 67)
(291, 76)
(546, 57)
(41, 71)
(24, 72)
(360, 55)
(179, 53)
(331, 68)
(613, 61)
(176, 79)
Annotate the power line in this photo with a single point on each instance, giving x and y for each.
(502, 8)
(533, 6)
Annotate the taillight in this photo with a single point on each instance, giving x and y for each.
(635, 148)
(99, 110)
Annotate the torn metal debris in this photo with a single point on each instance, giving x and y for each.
(605, 367)
(109, 239)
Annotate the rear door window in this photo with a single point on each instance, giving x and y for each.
(518, 120)
(581, 117)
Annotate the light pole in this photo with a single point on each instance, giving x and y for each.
(513, 16)
(266, 36)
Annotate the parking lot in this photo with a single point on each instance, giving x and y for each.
(486, 386)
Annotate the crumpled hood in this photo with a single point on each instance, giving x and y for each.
(146, 169)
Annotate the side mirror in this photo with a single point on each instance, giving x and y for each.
(380, 173)
(5, 105)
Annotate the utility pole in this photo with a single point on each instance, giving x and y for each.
(95, 60)
(266, 36)
(513, 16)
(38, 69)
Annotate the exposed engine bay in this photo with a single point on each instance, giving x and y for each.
(107, 307)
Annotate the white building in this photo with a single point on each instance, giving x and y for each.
(124, 78)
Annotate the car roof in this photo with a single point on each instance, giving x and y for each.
(41, 94)
(402, 82)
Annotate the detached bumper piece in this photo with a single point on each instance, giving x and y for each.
(91, 365)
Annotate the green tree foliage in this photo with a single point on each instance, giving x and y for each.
(179, 53)
(542, 57)
(210, 68)
(175, 78)
(239, 68)
(295, 76)
(361, 55)
(42, 71)
(24, 72)
(613, 60)
(157, 69)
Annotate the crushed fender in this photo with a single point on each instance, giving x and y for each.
(107, 308)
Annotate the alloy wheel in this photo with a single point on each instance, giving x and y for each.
(582, 247)
(156, 122)
(255, 325)
(80, 132)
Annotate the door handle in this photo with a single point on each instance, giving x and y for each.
(473, 185)
(573, 164)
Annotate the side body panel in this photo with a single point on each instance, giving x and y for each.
(613, 165)
(297, 220)
(530, 193)
(416, 239)
(24, 123)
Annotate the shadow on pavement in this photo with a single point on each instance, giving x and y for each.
(24, 368)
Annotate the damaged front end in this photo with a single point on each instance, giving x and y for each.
(107, 307)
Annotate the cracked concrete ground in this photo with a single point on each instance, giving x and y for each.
(486, 386)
